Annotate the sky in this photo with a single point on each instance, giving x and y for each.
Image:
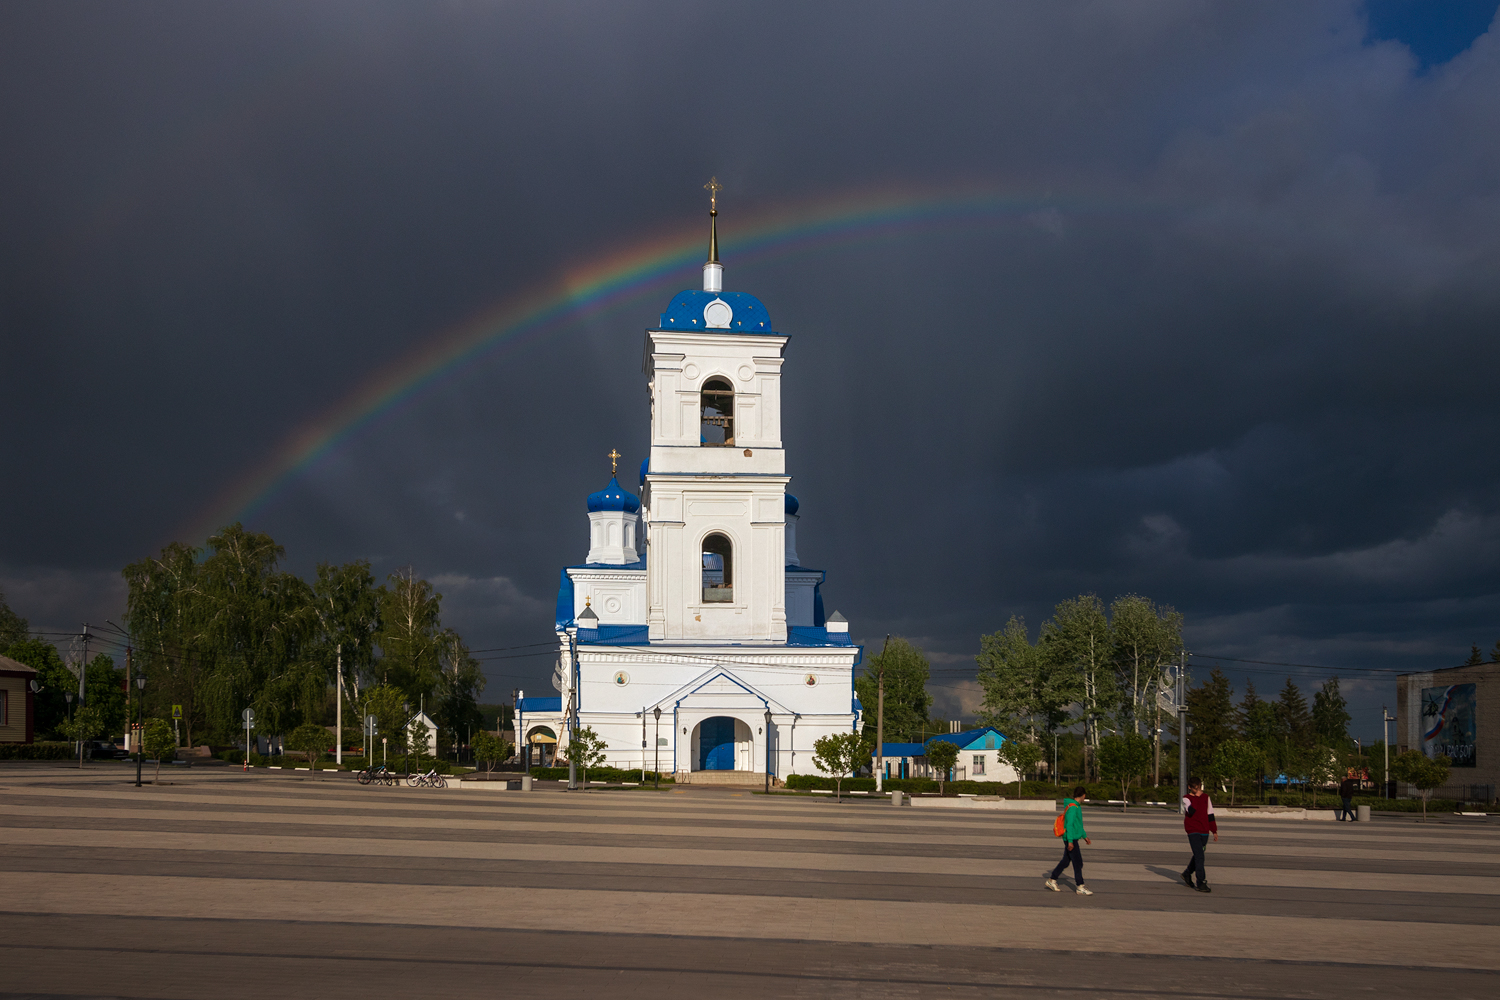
(1191, 300)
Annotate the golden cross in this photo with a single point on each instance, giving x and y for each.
(713, 187)
(614, 458)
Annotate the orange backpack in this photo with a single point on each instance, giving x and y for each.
(1058, 825)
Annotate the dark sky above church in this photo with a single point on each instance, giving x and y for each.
(1192, 300)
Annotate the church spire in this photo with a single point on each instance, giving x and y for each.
(713, 271)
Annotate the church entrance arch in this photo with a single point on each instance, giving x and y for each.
(716, 744)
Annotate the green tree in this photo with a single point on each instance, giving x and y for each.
(1211, 714)
(1256, 721)
(1237, 760)
(1495, 653)
(941, 756)
(1475, 657)
(1330, 717)
(57, 681)
(1123, 758)
(1025, 686)
(13, 628)
(158, 742)
(1079, 637)
(906, 699)
(347, 605)
(840, 754)
(490, 749)
(1147, 639)
(588, 749)
(410, 637)
(459, 688)
(1293, 721)
(165, 615)
(416, 742)
(310, 740)
(389, 707)
(1422, 772)
(87, 723)
(1021, 754)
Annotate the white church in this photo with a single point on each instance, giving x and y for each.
(691, 637)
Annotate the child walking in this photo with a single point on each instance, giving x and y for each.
(1198, 821)
(1073, 832)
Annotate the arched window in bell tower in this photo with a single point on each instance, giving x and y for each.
(718, 412)
(718, 569)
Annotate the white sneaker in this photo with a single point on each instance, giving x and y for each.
(1051, 883)
(1084, 890)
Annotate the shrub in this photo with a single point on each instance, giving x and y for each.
(599, 774)
(36, 751)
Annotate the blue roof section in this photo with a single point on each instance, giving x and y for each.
(541, 704)
(615, 635)
(564, 613)
(645, 468)
(791, 504)
(815, 635)
(614, 497)
(904, 749)
(969, 737)
(686, 312)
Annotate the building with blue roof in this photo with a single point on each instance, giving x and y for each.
(691, 636)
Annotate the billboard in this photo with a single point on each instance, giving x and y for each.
(1448, 723)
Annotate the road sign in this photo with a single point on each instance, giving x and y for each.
(248, 715)
(371, 722)
(176, 711)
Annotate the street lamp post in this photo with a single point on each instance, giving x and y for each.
(768, 751)
(657, 712)
(140, 713)
(1386, 718)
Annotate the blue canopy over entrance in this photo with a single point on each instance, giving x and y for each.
(716, 744)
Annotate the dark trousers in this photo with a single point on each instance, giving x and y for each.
(1072, 851)
(1348, 811)
(1198, 841)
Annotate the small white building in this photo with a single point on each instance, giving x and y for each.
(690, 633)
(432, 731)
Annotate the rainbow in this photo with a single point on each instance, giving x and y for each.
(595, 287)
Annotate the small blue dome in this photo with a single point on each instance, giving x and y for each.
(645, 467)
(614, 497)
(791, 504)
(686, 312)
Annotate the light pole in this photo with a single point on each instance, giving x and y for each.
(1182, 731)
(1386, 718)
(768, 751)
(140, 712)
(657, 712)
(879, 720)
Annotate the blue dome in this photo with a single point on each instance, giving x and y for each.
(791, 504)
(614, 497)
(686, 312)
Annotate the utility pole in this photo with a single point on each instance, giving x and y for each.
(83, 672)
(573, 713)
(338, 711)
(129, 701)
(1386, 718)
(879, 720)
(1182, 729)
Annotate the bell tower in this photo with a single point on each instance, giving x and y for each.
(715, 484)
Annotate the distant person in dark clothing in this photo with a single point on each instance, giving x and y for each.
(1198, 821)
(1346, 792)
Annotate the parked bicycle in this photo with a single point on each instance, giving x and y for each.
(379, 774)
(429, 780)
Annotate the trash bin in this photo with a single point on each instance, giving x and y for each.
(1363, 813)
(895, 798)
(525, 782)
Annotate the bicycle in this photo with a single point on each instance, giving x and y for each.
(378, 774)
(429, 780)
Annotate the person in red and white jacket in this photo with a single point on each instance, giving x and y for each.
(1198, 821)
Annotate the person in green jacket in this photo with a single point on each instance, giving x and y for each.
(1073, 832)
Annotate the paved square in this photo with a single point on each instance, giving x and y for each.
(222, 884)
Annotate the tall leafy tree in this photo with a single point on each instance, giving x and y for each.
(164, 612)
(410, 635)
(1079, 637)
(1211, 714)
(57, 681)
(1146, 639)
(1330, 717)
(346, 603)
(256, 626)
(13, 628)
(1026, 689)
(906, 699)
(459, 689)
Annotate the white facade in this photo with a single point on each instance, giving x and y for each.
(708, 618)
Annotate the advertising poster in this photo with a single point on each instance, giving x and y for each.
(1448, 723)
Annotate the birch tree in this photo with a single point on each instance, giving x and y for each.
(409, 637)
(1078, 637)
(1026, 689)
(1147, 639)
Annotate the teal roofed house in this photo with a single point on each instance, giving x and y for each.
(978, 755)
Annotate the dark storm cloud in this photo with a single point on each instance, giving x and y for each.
(1237, 353)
